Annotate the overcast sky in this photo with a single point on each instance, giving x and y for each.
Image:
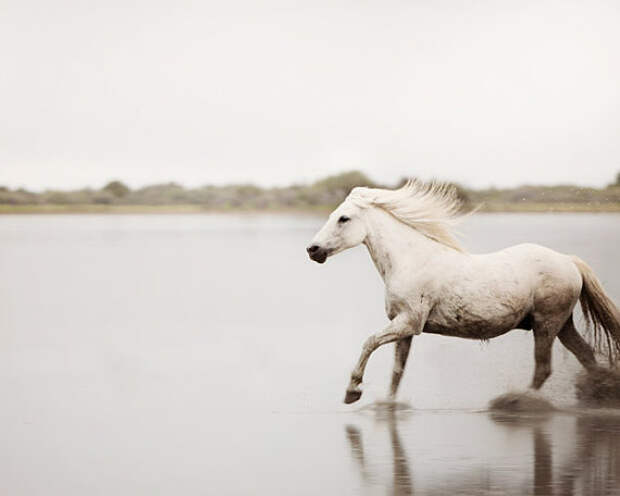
(273, 92)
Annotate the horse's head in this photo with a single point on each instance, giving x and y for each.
(345, 228)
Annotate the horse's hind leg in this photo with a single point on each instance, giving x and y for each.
(571, 339)
(544, 334)
(400, 360)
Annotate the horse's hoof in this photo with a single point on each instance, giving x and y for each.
(352, 396)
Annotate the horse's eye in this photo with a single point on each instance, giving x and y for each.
(343, 219)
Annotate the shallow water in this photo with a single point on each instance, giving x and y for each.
(204, 354)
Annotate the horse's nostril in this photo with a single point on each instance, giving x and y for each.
(312, 249)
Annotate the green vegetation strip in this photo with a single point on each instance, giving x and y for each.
(320, 196)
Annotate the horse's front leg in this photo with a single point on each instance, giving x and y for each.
(400, 328)
(400, 360)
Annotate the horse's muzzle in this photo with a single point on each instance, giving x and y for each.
(316, 253)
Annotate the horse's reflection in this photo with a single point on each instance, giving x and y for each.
(583, 460)
(542, 469)
(402, 483)
(590, 466)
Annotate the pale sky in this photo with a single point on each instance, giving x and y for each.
(273, 92)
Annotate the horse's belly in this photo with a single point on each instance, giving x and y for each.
(480, 322)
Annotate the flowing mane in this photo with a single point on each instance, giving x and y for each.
(431, 208)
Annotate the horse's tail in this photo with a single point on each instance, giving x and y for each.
(600, 312)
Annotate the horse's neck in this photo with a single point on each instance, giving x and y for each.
(392, 244)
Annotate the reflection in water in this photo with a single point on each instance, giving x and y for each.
(593, 465)
(596, 468)
(583, 459)
(357, 450)
(542, 460)
(543, 478)
(402, 482)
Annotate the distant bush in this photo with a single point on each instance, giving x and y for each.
(116, 189)
(18, 197)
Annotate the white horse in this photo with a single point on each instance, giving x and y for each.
(434, 286)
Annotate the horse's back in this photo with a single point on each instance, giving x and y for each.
(543, 267)
(553, 277)
(487, 295)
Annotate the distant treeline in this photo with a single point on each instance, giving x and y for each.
(324, 193)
